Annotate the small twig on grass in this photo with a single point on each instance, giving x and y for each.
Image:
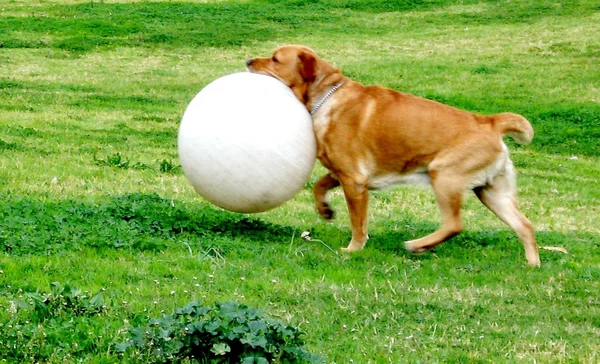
(556, 249)
(306, 236)
(300, 249)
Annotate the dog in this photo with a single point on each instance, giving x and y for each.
(370, 137)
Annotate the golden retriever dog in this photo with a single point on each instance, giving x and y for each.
(370, 137)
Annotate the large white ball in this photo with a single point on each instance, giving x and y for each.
(246, 143)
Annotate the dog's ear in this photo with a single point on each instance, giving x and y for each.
(308, 64)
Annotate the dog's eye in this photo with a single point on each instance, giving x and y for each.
(275, 59)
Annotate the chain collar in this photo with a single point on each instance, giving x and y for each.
(325, 97)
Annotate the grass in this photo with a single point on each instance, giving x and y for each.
(91, 95)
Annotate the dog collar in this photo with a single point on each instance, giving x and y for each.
(325, 97)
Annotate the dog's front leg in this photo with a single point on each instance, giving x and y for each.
(357, 196)
(323, 185)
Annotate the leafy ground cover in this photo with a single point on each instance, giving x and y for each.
(100, 232)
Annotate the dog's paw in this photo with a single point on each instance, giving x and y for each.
(534, 262)
(353, 247)
(414, 248)
(348, 250)
(326, 212)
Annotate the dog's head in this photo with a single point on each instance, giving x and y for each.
(297, 66)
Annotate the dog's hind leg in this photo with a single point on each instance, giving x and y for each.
(449, 189)
(320, 189)
(500, 198)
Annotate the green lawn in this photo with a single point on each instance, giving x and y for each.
(91, 195)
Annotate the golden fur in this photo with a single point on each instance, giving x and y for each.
(372, 137)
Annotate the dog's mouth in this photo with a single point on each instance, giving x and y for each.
(266, 73)
(250, 66)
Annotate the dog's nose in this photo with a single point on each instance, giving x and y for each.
(249, 62)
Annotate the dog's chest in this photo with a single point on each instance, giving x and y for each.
(321, 120)
(321, 124)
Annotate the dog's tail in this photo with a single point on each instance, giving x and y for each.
(513, 125)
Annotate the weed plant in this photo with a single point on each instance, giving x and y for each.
(229, 332)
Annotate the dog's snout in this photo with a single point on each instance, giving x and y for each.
(249, 62)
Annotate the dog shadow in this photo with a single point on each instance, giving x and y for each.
(502, 241)
(148, 222)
